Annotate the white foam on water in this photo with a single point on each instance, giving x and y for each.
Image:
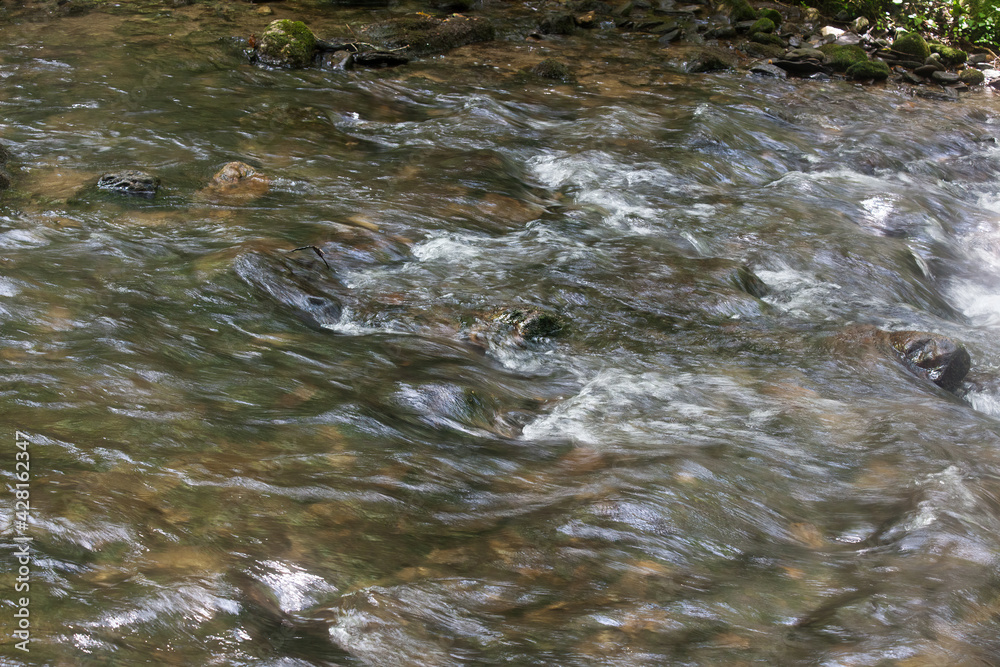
(295, 588)
(8, 287)
(798, 293)
(621, 408)
(627, 193)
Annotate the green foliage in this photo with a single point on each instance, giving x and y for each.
(912, 44)
(842, 56)
(977, 21)
(869, 69)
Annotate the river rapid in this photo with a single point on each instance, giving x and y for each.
(240, 456)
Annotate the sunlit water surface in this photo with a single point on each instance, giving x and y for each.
(240, 457)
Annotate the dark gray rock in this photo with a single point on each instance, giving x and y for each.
(130, 182)
(945, 77)
(722, 32)
(926, 70)
(937, 358)
(767, 69)
(749, 282)
(379, 59)
(800, 67)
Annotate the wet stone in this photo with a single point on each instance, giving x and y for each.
(722, 32)
(530, 324)
(937, 358)
(130, 182)
(926, 70)
(945, 77)
(767, 69)
(800, 67)
(379, 59)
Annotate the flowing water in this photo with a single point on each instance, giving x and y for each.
(242, 456)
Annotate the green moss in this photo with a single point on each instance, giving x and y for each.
(912, 44)
(766, 38)
(287, 43)
(869, 69)
(949, 54)
(842, 56)
(772, 14)
(740, 10)
(762, 25)
(971, 77)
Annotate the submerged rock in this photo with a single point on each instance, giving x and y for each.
(286, 43)
(130, 182)
(552, 69)
(237, 182)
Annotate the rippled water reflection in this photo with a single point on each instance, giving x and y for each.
(249, 454)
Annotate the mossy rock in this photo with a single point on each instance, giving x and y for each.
(773, 14)
(869, 69)
(740, 10)
(971, 77)
(767, 38)
(286, 43)
(912, 44)
(841, 56)
(949, 54)
(762, 25)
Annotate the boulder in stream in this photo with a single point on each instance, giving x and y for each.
(286, 43)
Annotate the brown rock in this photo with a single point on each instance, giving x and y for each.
(237, 182)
